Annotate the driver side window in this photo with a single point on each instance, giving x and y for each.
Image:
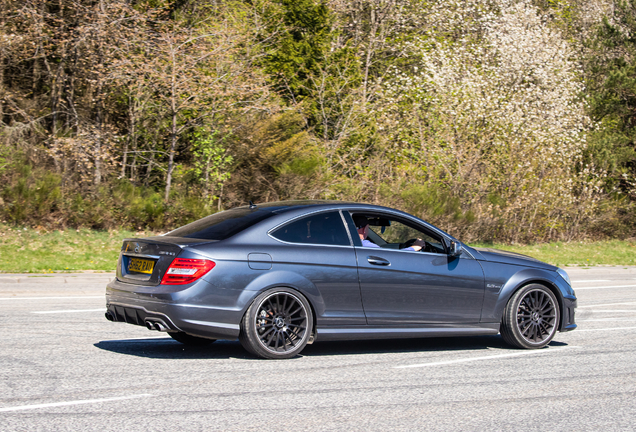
(391, 233)
(397, 232)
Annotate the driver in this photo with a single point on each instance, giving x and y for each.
(362, 225)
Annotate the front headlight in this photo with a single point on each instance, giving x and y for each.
(564, 275)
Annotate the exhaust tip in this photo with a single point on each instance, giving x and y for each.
(160, 327)
(109, 316)
(156, 324)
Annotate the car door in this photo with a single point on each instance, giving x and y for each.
(317, 247)
(401, 287)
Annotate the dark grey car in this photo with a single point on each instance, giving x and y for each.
(278, 276)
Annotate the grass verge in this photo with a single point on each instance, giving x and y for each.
(27, 250)
(610, 252)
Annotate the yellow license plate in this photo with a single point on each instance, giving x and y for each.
(140, 265)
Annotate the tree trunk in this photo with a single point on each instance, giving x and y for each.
(100, 136)
(220, 197)
(207, 178)
(173, 131)
(2, 90)
(151, 160)
(97, 179)
(173, 146)
(131, 135)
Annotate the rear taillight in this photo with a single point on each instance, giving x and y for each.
(184, 271)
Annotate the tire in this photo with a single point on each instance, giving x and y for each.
(277, 325)
(531, 317)
(190, 340)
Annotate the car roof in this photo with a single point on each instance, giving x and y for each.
(278, 206)
(297, 207)
(293, 208)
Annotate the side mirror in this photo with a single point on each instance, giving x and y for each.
(455, 248)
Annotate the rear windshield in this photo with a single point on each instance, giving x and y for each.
(222, 225)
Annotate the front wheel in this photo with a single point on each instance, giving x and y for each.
(277, 325)
(531, 317)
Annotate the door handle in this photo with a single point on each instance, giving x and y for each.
(378, 261)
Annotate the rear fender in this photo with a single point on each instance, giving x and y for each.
(273, 279)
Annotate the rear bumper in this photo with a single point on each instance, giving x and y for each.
(177, 311)
(139, 316)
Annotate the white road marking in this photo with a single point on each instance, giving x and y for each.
(590, 280)
(605, 287)
(75, 310)
(622, 319)
(466, 360)
(52, 298)
(605, 329)
(606, 304)
(614, 310)
(79, 402)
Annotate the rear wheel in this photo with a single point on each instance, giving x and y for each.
(277, 325)
(187, 339)
(531, 317)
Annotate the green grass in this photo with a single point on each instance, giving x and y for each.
(37, 251)
(27, 250)
(610, 252)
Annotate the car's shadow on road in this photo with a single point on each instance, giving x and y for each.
(166, 348)
(473, 343)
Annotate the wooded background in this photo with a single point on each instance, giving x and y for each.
(497, 120)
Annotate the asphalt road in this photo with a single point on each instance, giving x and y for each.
(64, 367)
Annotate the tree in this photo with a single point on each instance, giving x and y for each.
(611, 79)
(60, 79)
(300, 30)
(211, 163)
(492, 118)
(196, 73)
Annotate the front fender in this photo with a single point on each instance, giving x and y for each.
(502, 281)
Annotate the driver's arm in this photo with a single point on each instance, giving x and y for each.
(416, 246)
(369, 243)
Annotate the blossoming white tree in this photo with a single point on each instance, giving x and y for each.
(491, 114)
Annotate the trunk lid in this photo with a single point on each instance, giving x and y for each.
(144, 261)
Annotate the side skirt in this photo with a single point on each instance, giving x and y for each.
(360, 333)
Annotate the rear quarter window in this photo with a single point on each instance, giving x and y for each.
(321, 228)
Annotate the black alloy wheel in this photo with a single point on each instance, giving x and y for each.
(531, 317)
(277, 325)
